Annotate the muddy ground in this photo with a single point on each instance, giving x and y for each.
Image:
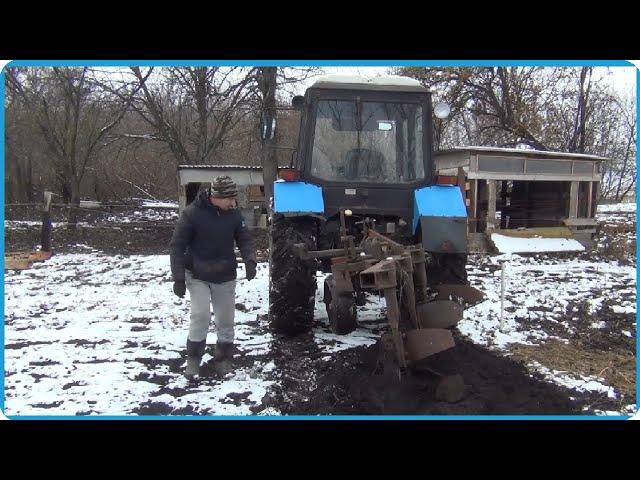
(362, 380)
(147, 233)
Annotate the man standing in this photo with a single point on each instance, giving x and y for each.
(204, 262)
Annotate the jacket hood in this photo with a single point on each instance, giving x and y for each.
(202, 201)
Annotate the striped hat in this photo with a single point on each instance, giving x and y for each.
(223, 187)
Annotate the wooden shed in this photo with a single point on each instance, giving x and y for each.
(520, 189)
(251, 199)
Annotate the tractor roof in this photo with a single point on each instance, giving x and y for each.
(394, 83)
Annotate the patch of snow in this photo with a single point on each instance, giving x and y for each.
(539, 290)
(617, 207)
(575, 382)
(531, 151)
(395, 80)
(154, 204)
(506, 244)
(88, 333)
(624, 309)
(336, 78)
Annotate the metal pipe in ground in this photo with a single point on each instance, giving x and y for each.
(502, 298)
(45, 237)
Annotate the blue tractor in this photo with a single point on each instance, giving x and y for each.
(361, 201)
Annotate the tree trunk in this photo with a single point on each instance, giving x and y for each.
(29, 181)
(65, 190)
(269, 142)
(74, 203)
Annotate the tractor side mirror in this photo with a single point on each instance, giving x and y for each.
(441, 110)
(297, 102)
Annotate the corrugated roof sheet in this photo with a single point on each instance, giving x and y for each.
(525, 152)
(227, 167)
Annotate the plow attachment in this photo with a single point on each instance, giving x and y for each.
(425, 342)
(429, 321)
(419, 324)
(439, 314)
(468, 293)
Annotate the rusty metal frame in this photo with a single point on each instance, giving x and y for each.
(398, 272)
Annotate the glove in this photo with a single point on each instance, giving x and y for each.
(179, 288)
(250, 267)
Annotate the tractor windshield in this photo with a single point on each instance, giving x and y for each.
(360, 141)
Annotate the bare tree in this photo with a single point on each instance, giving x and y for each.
(619, 176)
(73, 115)
(267, 82)
(270, 81)
(209, 115)
(545, 108)
(18, 151)
(193, 109)
(577, 142)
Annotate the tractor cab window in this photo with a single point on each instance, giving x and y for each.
(360, 141)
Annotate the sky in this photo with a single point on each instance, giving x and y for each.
(623, 79)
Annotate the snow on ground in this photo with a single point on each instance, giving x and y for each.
(82, 329)
(15, 224)
(543, 292)
(152, 204)
(537, 291)
(577, 382)
(134, 216)
(617, 207)
(88, 324)
(370, 320)
(507, 244)
(143, 215)
(145, 211)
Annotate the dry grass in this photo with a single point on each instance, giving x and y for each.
(618, 369)
(617, 242)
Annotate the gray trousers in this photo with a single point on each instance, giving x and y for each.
(222, 297)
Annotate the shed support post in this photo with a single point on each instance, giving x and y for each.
(573, 200)
(491, 206)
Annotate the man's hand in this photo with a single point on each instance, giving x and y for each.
(179, 288)
(250, 267)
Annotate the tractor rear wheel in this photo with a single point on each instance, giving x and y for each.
(447, 268)
(292, 281)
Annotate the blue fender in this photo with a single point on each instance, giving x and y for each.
(441, 212)
(297, 198)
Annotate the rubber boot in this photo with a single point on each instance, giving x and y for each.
(224, 351)
(222, 357)
(193, 367)
(195, 351)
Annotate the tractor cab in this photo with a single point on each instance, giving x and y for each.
(367, 142)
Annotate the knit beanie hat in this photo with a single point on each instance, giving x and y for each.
(223, 187)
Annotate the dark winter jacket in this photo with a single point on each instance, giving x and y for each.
(203, 242)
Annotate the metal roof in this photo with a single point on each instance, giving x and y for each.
(384, 83)
(524, 152)
(222, 167)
